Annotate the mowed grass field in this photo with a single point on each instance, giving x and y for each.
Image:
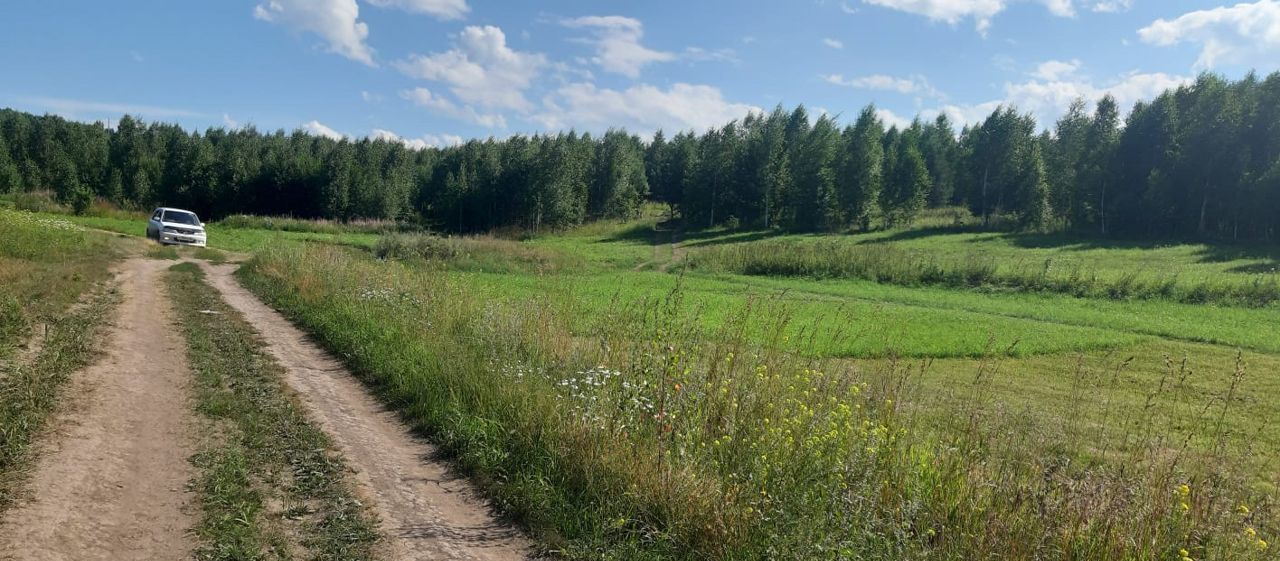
(623, 404)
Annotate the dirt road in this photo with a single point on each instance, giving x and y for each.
(426, 512)
(111, 482)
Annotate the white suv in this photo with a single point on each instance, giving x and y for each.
(175, 226)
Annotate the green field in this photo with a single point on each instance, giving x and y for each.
(614, 399)
(1050, 394)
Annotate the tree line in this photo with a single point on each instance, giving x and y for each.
(1201, 160)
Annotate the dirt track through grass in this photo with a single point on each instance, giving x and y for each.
(111, 484)
(427, 512)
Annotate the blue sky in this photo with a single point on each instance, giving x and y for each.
(433, 72)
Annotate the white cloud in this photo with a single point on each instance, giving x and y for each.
(833, 43)
(443, 140)
(892, 119)
(370, 97)
(914, 84)
(1061, 8)
(427, 141)
(1048, 100)
(442, 9)
(846, 8)
(480, 69)
(699, 54)
(228, 122)
(617, 42)
(337, 21)
(642, 108)
(950, 11)
(1056, 69)
(1245, 32)
(955, 11)
(423, 97)
(72, 107)
(320, 129)
(1112, 6)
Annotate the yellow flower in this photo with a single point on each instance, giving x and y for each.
(1262, 545)
(1184, 553)
(1242, 509)
(1251, 532)
(1184, 490)
(1185, 507)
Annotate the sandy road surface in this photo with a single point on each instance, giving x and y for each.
(426, 512)
(111, 482)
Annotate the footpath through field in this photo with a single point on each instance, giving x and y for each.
(111, 483)
(426, 511)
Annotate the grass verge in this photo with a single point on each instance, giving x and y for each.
(30, 393)
(270, 487)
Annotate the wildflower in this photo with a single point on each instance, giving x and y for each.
(1243, 509)
(1249, 531)
(678, 386)
(1262, 545)
(1184, 490)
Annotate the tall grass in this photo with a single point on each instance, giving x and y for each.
(655, 438)
(314, 225)
(885, 263)
(474, 253)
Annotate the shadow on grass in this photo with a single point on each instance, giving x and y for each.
(719, 237)
(1225, 253)
(921, 233)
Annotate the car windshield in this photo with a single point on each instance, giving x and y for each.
(180, 217)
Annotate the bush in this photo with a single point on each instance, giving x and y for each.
(38, 201)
